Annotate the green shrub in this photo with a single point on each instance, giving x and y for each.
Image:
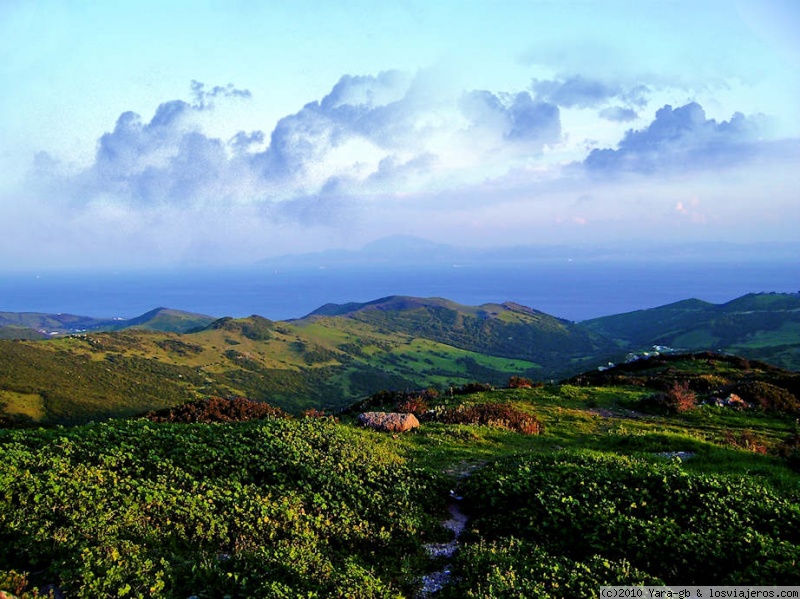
(679, 398)
(217, 409)
(514, 567)
(264, 508)
(502, 415)
(768, 397)
(17, 585)
(679, 527)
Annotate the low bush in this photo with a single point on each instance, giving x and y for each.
(217, 409)
(502, 415)
(789, 450)
(514, 567)
(269, 508)
(472, 388)
(518, 382)
(679, 398)
(767, 397)
(679, 527)
(413, 405)
(14, 585)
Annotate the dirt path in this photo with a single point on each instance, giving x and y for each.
(435, 581)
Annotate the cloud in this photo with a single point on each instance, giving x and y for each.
(203, 98)
(386, 153)
(580, 92)
(681, 138)
(518, 118)
(369, 134)
(618, 114)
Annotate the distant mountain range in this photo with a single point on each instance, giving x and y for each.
(407, 250)
(91, 368)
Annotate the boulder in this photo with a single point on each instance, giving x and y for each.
(394, 422)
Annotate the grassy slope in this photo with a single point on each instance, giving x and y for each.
(506, 330)
(11, 331)
(603, 413)
(168, 320)
(763, 326)
(323, 364)
(329, 361)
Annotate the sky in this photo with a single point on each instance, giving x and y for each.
(210, 132)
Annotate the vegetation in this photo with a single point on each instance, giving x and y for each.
(217, 409)
(620, 520)
(21, 325)
(507, 330)
(272, 506)
(761, 326)
(269, 508)
(502, 415)
(681, 469)
(341, 354)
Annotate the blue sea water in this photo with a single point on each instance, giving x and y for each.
(572, 290)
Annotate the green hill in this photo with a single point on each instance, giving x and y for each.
(19, 332)
(52, 323)
(764, 326)
(507, 330)
(342, 353)
(318, 362)
(167, 320)
(18, 325)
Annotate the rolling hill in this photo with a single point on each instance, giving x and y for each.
(508, 330)
(325, 360)
(341, 353)
(764, 326)
(37, 325)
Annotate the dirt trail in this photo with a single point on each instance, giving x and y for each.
(435, 581)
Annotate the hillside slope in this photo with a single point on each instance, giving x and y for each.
(22, 325)
(323, 363)
(507, 330)
(198, 502)
(342, 353)
(763, 326)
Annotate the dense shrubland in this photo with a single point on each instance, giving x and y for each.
(270, 508)
(229, 497)
(557, 525)
(217, 409)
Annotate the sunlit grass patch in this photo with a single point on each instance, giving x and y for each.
(30, 405)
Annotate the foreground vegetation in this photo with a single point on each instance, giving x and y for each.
(269, 508)
(568, 487)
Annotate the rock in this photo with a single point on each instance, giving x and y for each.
(736, 402)
(394, 422)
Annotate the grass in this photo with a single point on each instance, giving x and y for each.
(602, 419)
(30, 405)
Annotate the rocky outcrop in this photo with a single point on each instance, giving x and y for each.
(394, 422)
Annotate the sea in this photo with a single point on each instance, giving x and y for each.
(571, 290)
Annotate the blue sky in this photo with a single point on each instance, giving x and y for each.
(160, 133)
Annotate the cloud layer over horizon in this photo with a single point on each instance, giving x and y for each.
(562, 155)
